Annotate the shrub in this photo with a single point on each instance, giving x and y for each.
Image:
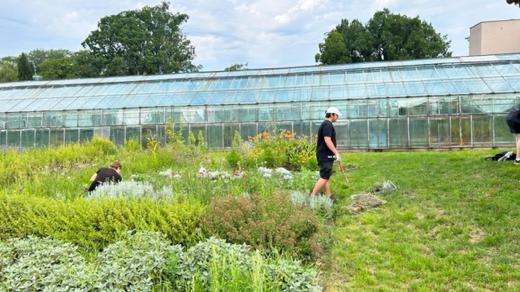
(134, 263)
(132, 145)
(281, 150)
(129, 189)
(233, 159)
(321, 205)
(215, 265)
(105, 146)
(93, 224)
(36, 264)
(265, 223)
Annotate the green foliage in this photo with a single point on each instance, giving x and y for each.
(142, 41)
(215, 265)
(192, 141)
(93, 224)
(58, 68)
(233, 159)
(201, 144)
(105, 146)
(386, 36)
(25, 69)
(132, 145)
(152, 144)
(281, 150)
(36, 264)
(8, 72)
(133, 263)
(236, 67)
(265, 223)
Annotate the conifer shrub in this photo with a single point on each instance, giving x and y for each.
(272, 222)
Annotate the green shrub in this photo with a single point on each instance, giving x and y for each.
(265, 223)
(36, 264)
(134, 263)
(132, 145)
(233, 159)
(105, 146)
(93, 224)
(215, 265)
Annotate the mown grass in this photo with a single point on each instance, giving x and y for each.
(454, 224)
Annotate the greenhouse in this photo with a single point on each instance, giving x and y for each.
(434, 103)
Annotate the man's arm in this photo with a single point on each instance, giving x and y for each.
(93, 177)
(328, 142)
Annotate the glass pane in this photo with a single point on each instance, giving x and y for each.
(86, 134)
(502, 133)
(229, 132)
(358, 133)
(215, 136)
(71, 135)
(28, 138)
(56, 137)
(42, 138)
(378, 133)
(133, 133)
(482, 129)
(398, 133)
(247, 131)
(13, 138)
(3, 138)
(440, 131)
(117, 135)
(460, 131)
(342, 137)
(418, 132)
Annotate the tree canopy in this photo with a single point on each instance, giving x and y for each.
(386, 36)
(143, 41)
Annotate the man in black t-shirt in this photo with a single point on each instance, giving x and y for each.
(513, 121)
(106, 174)
(326, 151)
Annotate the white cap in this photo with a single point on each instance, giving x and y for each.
(333, 110)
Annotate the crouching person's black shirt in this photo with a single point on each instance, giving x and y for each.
(105, 174)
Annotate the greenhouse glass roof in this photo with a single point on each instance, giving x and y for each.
(431, 77)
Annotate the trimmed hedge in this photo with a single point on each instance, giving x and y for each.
(93, 224)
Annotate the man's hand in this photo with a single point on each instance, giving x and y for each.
(338, 158)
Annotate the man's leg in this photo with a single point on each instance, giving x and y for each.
(327, 189)
(517, 147)
(321, 183)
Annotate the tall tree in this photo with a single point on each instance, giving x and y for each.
(25, 70)
(8, 70)
(38, 56)
(515, 2)
(386, 36)
(58, 68)
(143, 41)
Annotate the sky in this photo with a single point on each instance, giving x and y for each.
(261, 33)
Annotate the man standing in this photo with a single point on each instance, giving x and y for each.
(106, 174)
(513, 121)
(326, 152)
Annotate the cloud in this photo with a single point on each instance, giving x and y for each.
(263, 33)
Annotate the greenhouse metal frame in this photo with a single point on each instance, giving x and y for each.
(434, 103)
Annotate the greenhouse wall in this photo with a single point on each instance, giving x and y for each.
(439, 103)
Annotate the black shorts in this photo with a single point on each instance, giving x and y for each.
(513, 121)
(325, 168)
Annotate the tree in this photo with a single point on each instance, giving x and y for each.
(386, 36)
(8, 70)
(38, 56)
(58, 68)
(25, 70)
(144, 41)
(515, 2)
(236, 67)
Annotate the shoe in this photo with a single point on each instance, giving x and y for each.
(334, 199)
(516, 162)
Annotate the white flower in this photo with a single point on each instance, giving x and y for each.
(202, 171)
(167, 173)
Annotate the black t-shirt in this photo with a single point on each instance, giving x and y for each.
(105, 174)
(322, 151)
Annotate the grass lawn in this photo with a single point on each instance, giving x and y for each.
(454, 224)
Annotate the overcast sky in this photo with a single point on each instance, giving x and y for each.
(262, 33)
